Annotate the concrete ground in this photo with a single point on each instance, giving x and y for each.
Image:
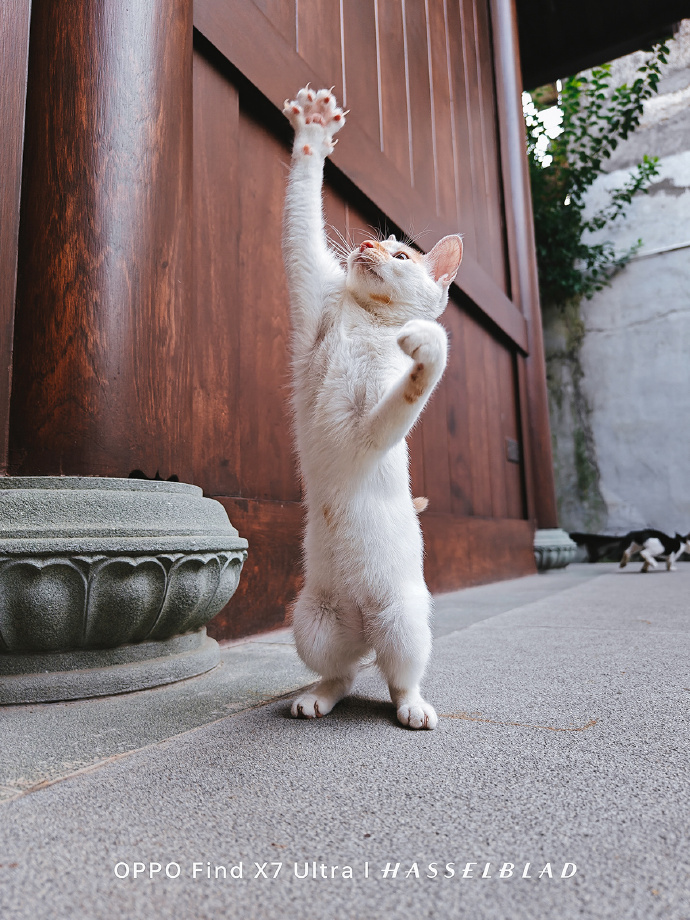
(562, 744)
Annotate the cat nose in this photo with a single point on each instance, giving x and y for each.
(367, 244)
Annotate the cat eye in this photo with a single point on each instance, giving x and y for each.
(401, 255)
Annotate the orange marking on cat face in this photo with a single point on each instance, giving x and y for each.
(306, 150)
(328, 515)
(380, 298)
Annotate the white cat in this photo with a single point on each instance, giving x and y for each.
(366, 355)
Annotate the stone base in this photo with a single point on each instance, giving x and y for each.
(80, 674)
(553, 549)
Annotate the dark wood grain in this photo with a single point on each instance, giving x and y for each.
(217, 238)
(421, 117)
(237, 27)
(265, 434)
(359, 30)
(435, 448)
(283, 15)
(14, 54)
(272, 574)
(489, 133)
(477, 422)
(416, 449)
(461, 131)
(447, 180)
(494, 424)
(394, 88)
(512, 472)
(529, 480)
(470, 551)
(458, 396)
(319, 41)
(476, 147)
(102, 381)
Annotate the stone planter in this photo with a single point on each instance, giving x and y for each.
(106, 585)
(553, 549)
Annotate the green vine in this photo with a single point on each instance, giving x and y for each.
(565, 160)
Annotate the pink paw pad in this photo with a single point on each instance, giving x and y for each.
(316, 108)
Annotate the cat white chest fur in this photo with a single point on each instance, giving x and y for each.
(366, 355)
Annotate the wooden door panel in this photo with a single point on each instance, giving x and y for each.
(394, 101)
(445, 161)
(217, 182)
(14, 54)
(421, 119)
(461, 126)
(263, 318)
(510, 416)
(283, 15)
(477, 419)
(420, 153)
(487, 95)
(497, 451)
(457, 388)
(319, 42)
(361, 88)
(238, 27)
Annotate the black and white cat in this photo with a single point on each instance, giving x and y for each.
(366, 355)
(653, 544)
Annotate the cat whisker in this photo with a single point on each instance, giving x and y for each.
(412, 240)
(342, 245)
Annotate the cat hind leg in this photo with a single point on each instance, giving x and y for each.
(321, 699)
(402, 639)
(327, 642)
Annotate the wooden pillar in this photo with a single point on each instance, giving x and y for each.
(14, 52)
(101, 379)
(523, 260)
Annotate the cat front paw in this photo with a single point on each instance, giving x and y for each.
(425, 342)
(417, 714)
(315, 118)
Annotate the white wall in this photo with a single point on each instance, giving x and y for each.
(635, 355)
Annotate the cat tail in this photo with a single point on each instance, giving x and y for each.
(420, 504)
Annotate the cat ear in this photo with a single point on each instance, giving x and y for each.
(444, 259)
(392, 238)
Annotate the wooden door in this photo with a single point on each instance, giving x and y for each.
(421, 154)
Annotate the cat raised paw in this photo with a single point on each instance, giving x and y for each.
(315, 115)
